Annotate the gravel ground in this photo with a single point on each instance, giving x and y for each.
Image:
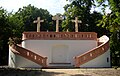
(60, 72)
(81, 72)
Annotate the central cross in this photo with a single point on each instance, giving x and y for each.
(57, 18)
(38, 21)
(76, 23)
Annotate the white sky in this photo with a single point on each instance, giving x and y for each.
(53, 6)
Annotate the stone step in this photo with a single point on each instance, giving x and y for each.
(59, 67)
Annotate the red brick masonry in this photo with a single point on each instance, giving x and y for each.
(59, 36)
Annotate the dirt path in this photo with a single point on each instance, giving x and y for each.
(59, 72)
(80, 72)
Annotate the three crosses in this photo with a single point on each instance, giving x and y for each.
(57, 18)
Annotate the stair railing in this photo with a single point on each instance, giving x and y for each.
(17, 49)
(93, 53)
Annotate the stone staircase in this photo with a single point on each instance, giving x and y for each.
(17, 49)
(103, 46)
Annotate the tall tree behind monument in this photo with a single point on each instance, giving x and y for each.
(81, 9)
(30, 13)
(5, 33)
(14, 24)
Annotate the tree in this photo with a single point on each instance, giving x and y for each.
(81, 9)
(13, 25)
(95, 17)
(4, 35)
(30, 13)
(111, 22)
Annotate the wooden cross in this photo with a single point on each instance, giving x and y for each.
(76, 23)
(57, 18)
(38, 21)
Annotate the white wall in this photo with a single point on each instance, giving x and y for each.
(25, 63)
(19, 61)
(100, 61)
(11, 62)
(44, 47)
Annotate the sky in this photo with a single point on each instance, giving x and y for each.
(53, 6)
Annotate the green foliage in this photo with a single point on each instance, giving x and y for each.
(81, 9)
(111, 22)
(16, 25)
(4, 35)
(13, 25)
(14, 41)
(115, 48)
(30, 13)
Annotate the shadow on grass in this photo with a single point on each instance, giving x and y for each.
(32, 72)
(19, 72)
(25, 72)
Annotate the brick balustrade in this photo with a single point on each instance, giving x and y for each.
(79, 60)
(29, 55)
(95, 52)
(59, 36)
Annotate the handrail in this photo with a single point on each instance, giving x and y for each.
(60, 35)
(93, 53)
(29, 55)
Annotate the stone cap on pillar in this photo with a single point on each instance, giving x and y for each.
(59, 36)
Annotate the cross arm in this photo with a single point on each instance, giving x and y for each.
(35, 21)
